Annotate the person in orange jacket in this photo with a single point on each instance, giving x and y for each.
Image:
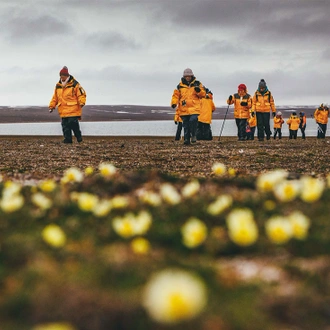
(70, 98)
(293, 123)
(204, 131)
(321, 116)
(263, 104)
(188, 95)
(242, 103)
(278, 122)
(178, 122)
(251, 126)
(302, 124)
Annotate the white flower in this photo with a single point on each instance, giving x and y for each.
(54, 235)
(300, 224)
(220, 204)
(219, 169)
(102, 208)
(287, 190)
(11, 203)
(47, 185)
(41, 201)
(72, 174)
(312, 189)
(268, 180)
(149, 197)
(190, 189)
(194, 232)
(87, 202)
(172, 296)
(119, 202)
(279, 229)
(170, 194)
(107, 170)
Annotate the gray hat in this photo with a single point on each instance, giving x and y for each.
(188, 72)
(262, 84)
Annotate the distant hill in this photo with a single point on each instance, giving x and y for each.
(33, 114)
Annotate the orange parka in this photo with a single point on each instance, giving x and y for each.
(207, 109)
(321, 115)
(69, 98)
(263, 103)
(293, 122)
(241, 111)
(186, 97)
(252, 121)
(278, 121)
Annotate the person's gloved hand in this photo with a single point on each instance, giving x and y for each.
(273, 114)
(197, 89)
(230, 98)
(244, 104)
(51, 110)
(253, 114)
(173, 106)
(175, 122)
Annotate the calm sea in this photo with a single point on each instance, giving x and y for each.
(132, 128)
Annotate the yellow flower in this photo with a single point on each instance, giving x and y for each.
(54, 236)
(54, 326)
(143, 222)
(119, 202)
(11, 188)
(102, 208)
(89, 170)
(267, 181)
(194, 232)
(231, 171)
(242, 228)
(190, 189)
(124, 226)
(219, 169)
(41, 201)
(312, 189)
(287, 190)
(172, 296)
(222, 203)
(140, 245)
(11, 203)
(47, 185)
(300, 224)
(149, 197)
(107, 170)
(87, 202)
(72, 174)
(279, 229)
(170, 194)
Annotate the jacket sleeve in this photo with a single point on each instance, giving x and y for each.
(202, 92)
(254, 101)
(53, 102)
(232, 100)
(272, 103)
(175, 97)
(81, 95)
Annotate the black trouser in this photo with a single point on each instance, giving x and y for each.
(178, 131)
(71, 124)
(302, 129)
(293, 133)
(241, 128)
(263, 125)
(321, 129)
(189, 127)
(250, 135)
(279, 131)
(204, 131)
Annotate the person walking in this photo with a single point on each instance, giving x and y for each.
(204, 131)
(302, 124)
(188, 95)
(293, 123)
(70, 98)
(321, 116)
(278, 122)
(242, 103)
(263, 103)
(251, 128)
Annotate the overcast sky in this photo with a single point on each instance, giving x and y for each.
(134, 52)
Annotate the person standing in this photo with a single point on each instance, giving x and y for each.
(188, 95)
(178, 122)
(293, 123)
(263, 103)
(204, 131)
(321, 115)
(302, 124)
(242, 103)
(278, 122)
(252, 122)
(70, 98)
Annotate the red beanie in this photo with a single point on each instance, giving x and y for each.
(242, 87)
(64, 71)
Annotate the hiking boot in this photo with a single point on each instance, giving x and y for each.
(67, 141)
(186, 142)
(193, 139)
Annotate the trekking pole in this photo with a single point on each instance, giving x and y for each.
(223, 123)
(318, 126)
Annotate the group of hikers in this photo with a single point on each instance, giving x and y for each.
(194, 106)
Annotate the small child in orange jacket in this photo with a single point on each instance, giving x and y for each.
(293, 123)
(278, 122)
(251, 126)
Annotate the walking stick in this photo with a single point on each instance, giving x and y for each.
(318, 126)
(223, 123)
